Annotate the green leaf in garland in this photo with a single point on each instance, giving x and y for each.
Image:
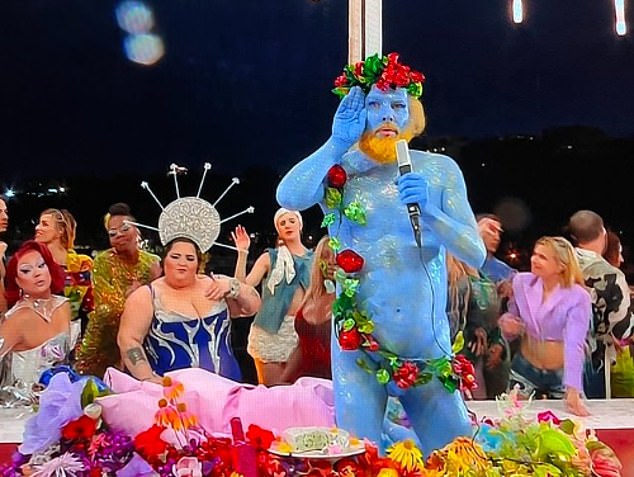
(383, 376)
(350, 287)
(363, 365)
(335, 245)
(355, 212)
(348, 324)
(424, 378)
(458, 343)
(449, 383)
(333, 198)
(394, 361)
(367, 327)
(328, 220)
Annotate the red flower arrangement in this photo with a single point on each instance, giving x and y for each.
(383, 71)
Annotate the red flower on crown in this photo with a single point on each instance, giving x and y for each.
(383, 71)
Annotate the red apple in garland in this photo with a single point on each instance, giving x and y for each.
(337, 176)
(350, 261)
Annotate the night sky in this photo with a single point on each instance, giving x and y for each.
(244, 82)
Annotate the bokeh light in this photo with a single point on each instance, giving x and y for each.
(134, 17)
(145, 49)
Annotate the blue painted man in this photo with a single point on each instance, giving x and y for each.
(391, 333)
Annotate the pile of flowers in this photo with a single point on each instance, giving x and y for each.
(354, 326)
(545, 445)
(383, 71)
(69, 438)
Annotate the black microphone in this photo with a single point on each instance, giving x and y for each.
(405, 166)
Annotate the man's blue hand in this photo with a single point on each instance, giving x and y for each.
(349, 122)
(412, 189)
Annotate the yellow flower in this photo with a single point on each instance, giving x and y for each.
(406, 455)
(464, 454)
(236, 474)
(385, 472)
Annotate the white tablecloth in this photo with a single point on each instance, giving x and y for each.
(606, 414)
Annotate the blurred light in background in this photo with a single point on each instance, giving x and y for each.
(621, 27)
(134, 17)
(145, 49)
(518, 11)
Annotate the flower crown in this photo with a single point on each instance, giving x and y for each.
(383, 71)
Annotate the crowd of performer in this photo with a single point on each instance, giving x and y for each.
(365, 308)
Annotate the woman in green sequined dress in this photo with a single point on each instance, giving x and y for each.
(117, 272)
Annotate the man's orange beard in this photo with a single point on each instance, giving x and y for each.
(382, 149)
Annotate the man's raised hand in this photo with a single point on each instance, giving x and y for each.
(349, 122)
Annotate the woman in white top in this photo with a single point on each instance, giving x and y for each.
(36, 331)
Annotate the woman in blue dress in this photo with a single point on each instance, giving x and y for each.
(182, 319)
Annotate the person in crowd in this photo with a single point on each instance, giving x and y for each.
(117, 272)
(613, 314)
(550, 311)
(473, 307)
(57, 229)
(389, 316)
(4, 224)
(183, 319)
(35, 334)
(613, 249)
(490, 228)
(284, 274)
(313, 319)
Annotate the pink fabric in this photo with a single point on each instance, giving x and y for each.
(215, 400)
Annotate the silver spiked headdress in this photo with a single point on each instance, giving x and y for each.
(191, 217)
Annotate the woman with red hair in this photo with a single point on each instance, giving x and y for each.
(36, 331)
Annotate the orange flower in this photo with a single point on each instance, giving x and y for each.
(167, 416)
(172, 389)
(187, 418)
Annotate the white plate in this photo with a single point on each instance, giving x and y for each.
(313, 455)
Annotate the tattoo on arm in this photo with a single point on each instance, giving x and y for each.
(136, 355)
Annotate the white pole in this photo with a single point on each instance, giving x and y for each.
(365, 29)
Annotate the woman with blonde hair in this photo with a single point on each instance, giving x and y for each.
(313, 319)
(550, 311)
(56, 229)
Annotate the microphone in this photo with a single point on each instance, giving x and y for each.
(405, 166)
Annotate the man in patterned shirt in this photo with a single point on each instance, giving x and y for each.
(613, 314)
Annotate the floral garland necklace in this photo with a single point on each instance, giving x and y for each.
(354, 326)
